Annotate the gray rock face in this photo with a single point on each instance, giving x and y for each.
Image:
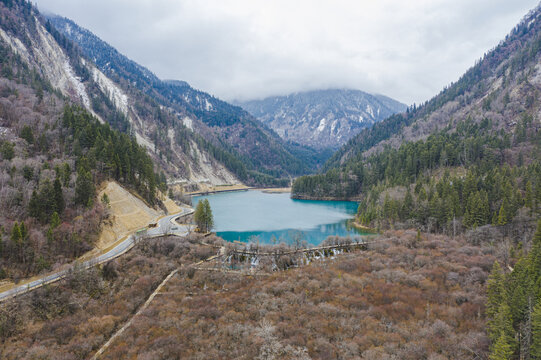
(322, 118)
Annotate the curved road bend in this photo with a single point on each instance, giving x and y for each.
(165, 225)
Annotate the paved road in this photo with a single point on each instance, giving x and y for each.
(166, 225)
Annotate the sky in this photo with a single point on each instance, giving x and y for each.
(251, 49)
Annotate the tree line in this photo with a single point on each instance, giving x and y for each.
(513, 306)
(478, 185)
(116, 155)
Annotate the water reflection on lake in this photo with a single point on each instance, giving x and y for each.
(274, 218)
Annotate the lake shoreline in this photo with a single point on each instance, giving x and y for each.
(361, 227)
(211, 192)
(266, 190)
(270, 214)
(274, 190)
(322, 198)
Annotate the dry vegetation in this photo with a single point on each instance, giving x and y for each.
(72, 319)
(404, 298)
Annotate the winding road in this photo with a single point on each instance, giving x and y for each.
(165, 226)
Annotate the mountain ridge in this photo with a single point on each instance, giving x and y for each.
(468, 157)
(475, 89)
(322, 118)
(252, 151)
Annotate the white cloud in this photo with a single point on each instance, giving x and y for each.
(243, 49)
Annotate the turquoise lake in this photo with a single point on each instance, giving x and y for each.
(269, 218)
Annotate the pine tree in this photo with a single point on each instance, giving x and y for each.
(519, 287)
(16, 234)
(24, 232)
(535, 349)
(528, 197)
(408, 203)
(467, 218)
(495, 298)
(501, 350)
(535, 255)
(66, 172)
(19, 235)
(209, 218)
(55, 220)
(34, 205)
(203, 216)
(387, 207)
(199, 216)
(478, 210)
(502, 214)
(58, 196)
(26, 133)
(84, 188)
(484, 208)
(504, 325)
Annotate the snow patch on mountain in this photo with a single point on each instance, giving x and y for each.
(370, 110)
(321, 126)
(208, 105)
(333, 126)
(188, 122)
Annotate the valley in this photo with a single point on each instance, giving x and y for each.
(142, 217)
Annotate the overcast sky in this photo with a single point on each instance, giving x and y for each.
(246, 49)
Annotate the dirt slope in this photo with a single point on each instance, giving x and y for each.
(128, 213)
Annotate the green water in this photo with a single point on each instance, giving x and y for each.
(269, 218)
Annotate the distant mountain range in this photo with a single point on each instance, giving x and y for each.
(322, 118)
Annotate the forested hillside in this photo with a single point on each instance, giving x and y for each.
(501, 86)
(53, 156)
(192, 119)
(466, 158)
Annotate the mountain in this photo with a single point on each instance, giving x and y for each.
(221, 132)
(54, 153)
(178, 151)
(468, 157)
(322, 118)
(502, 86)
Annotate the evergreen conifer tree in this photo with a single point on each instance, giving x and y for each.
(504, 325)
(495, 297)
(55, 220)
(16, 233)
(501, 350)
(535, 350)
(58, 196)
(84, 188)
(209, 218)
(535, 257)
(502, 214)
